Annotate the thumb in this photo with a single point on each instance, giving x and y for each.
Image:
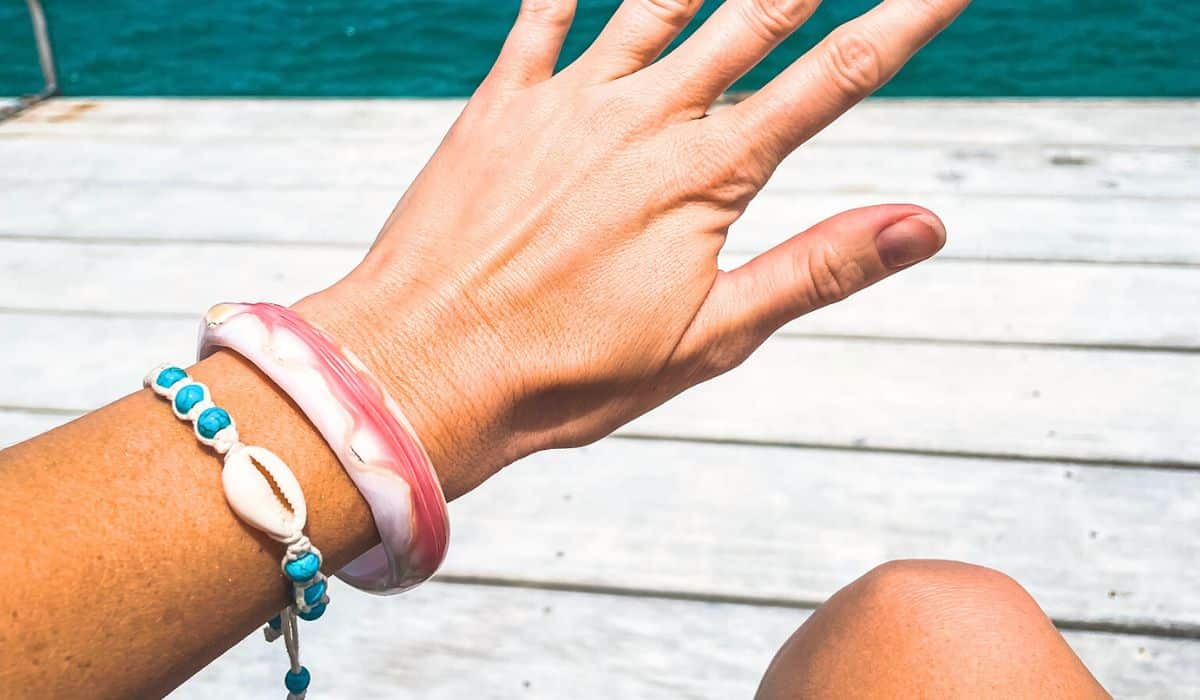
(823, 265)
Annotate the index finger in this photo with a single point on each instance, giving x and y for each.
(849, 64)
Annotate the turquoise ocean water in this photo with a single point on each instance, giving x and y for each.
(431, 48)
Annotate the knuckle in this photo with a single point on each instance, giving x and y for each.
(721, 170)
(831, 275)
(552, 12)
(939, 10)
(721, 357)
(673, 12)
(853, 64)
(772, 20)
(614, 112)
(732, 187)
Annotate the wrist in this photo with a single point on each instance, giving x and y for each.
(455, 410)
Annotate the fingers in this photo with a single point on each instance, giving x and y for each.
(823, 265)
(730, 42)
(637, 33)
(532, 47)
(849, 64)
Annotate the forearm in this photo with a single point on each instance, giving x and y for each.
(129, 572)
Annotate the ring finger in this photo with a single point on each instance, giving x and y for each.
(637, 33)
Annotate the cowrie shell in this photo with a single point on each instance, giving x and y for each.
(250, 494)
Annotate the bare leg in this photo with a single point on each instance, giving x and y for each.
(926, 629)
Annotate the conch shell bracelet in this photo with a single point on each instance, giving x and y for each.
(364, 427)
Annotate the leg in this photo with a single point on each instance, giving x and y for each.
(928, 629)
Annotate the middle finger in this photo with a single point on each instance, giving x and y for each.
(731, 42)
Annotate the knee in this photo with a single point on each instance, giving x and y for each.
(918, 582)
(930, 629)
(932, 598)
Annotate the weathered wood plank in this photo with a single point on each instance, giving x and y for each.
(1009, 402)
(1014, 170)
(1096, 544)
(1114, 229)
(1027, 402)
(958, 300)
(452, 642)
(1112, 123)
(1145, 306)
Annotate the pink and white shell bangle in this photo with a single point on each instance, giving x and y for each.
(362, 424)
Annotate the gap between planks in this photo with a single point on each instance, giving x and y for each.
(1112, 230)
(1163, 348)
(253, 241)
(967, 122)
(15, 410)
(1150, 629)
(1134, 307)
(990, 456)
(808, 521)
(1043, 403)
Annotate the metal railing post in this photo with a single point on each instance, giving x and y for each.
(45, 57)
(45, 54)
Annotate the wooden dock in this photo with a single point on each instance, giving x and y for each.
(1029, 401)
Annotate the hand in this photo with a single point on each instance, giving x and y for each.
(552, 272)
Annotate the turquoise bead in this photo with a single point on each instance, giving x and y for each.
(297, 682)
(169, 376)
(211, 421)
(313, 613)
(188, 396)
(275, 622)
(313, 593)
(303, 567)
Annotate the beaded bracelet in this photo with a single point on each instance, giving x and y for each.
(250, 476)
(363, 426)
